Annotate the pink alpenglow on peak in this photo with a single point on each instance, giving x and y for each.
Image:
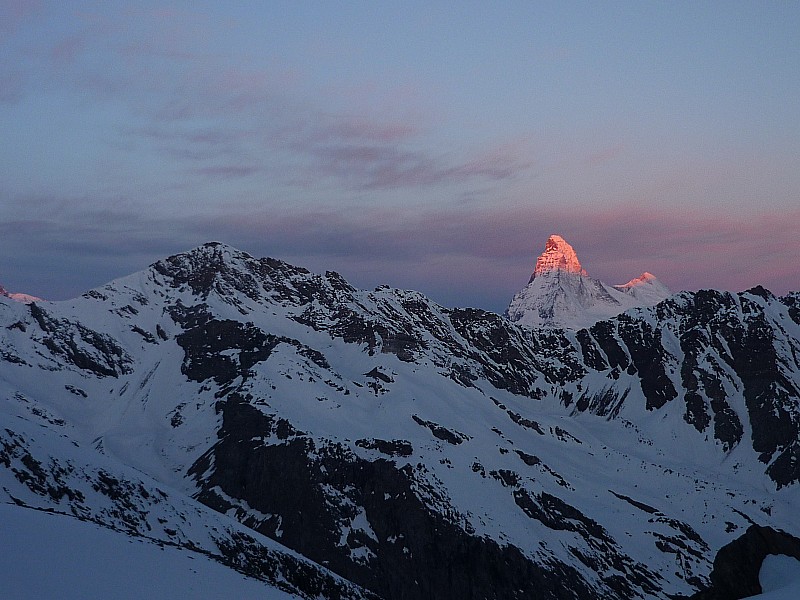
(558, 255)
(643, 279)
(646, 289)
(561, 294)
(24, 298)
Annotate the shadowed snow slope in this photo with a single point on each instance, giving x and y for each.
(780, 578)
(59, 556)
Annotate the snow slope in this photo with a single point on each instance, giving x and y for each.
(49, 555)
(780, 578)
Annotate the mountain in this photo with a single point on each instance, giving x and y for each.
(340, 443)
(561, 294)
(646, 289)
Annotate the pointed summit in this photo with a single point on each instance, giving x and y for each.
(558, 255)
(561, 294)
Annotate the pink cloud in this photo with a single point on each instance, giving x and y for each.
(199, 108)
(66, 50)
(606, 154)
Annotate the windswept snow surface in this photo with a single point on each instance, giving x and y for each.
(24, 298)
(48, 555)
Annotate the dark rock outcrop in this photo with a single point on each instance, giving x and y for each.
(406, 547)
(737, 565)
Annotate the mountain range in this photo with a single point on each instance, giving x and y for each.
(321, 441)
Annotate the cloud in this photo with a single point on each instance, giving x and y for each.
(388, 166)
(16, 12)
(228, 171)
(182, 105)
(66, 51)
(459, 255)
(223, 126)
(463, 253)
(229, 116)
(362, 129)
(11, 87)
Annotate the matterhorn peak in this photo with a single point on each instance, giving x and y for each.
(561, 294)
(558, 255)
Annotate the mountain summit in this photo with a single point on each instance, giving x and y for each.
(560, 292)
(24, 298)
(558, 255)
(646, 289)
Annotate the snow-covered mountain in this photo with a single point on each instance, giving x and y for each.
(338, 443)
(561, 294)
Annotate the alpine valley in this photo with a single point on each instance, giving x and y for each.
(218, 414)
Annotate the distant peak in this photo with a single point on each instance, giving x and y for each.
(218, 251)
(558, 255)
(215, 246)
(643, 279)
(561, 294)
(24, 298)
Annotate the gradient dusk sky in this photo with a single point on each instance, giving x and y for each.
(421, 144)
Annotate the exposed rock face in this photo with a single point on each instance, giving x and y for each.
(50, 474)
(561, 294)
(80, 346)
(737, 565)
(558, 255)
(364, 518)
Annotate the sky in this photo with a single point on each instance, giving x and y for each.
(425, 145)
